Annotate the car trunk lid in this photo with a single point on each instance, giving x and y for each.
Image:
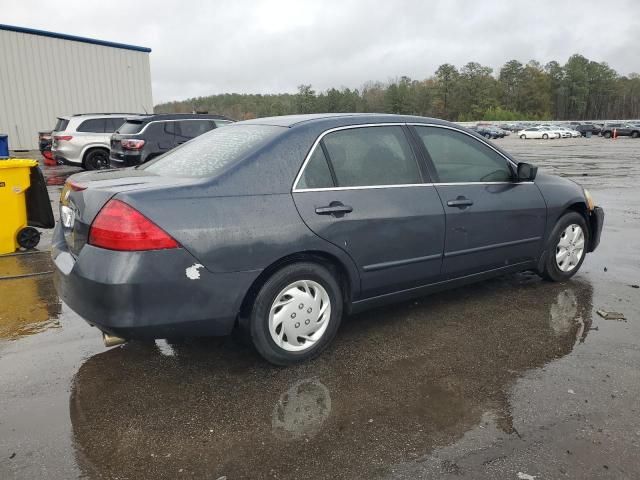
(84, 195)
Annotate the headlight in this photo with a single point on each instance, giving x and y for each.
(589, 199)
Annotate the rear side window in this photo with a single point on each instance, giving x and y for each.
(222, 123)
(316, 174)
(210, 153)
(457, 157)
(95, 125)
(61, 125)
(371, 156)
(195, 128)
(130, 127)
(113, 123)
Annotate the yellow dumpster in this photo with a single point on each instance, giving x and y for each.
(15, 179)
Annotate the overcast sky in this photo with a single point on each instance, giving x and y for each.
(208, 47)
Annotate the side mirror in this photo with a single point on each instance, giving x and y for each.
(526, 172)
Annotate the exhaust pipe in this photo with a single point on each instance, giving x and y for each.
(112, 340)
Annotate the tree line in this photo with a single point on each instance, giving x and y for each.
(580, 89)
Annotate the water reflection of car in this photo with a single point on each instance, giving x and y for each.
(216, 410)
(277, 226)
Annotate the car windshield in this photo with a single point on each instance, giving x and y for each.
(208, 154)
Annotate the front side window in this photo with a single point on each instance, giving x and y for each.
(96, 125)
(458, 157)
(371, 156)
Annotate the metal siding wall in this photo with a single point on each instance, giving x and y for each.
(42, 78)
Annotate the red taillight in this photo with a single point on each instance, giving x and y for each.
(119, 226)
(63, 138)
(131, 144)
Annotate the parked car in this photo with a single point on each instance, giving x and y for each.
(567, 132)
(537, 132)
(83, 139)
(584, 128)
(489, 131)
(279, 226)
(622, 130)
(141, 139)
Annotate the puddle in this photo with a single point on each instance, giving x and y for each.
(399, 381)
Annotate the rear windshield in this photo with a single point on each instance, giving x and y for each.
(61, 125)
(208, 154)
(129, 127)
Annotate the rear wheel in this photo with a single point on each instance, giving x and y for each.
(566, 248)
(296, 313)
(97, 159)
(606, 134)
(635, 134)
(545, 136)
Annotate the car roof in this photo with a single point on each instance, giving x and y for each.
(176, 116)
(340, 118)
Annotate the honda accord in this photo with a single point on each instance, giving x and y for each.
(277, 227)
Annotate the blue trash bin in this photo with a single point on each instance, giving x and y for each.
(4, 145)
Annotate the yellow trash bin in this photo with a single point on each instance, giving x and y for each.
(14, 181)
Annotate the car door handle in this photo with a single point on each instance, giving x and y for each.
(460, 202)
(334, 208)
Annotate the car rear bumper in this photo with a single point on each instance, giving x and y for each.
(596, 220)
(150, 294)
(121, 160)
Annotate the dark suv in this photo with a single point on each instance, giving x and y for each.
(621, 130)
(142, 138)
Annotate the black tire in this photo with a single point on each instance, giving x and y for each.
(550, 270)
(523, 136)
(635, 134)
(96, 159)
(545, 136)
(28, 238)
(259, 318)
(606, 134)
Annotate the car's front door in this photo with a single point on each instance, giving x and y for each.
(493, 221)
(363, 190)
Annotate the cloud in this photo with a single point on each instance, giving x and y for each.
(203, 47)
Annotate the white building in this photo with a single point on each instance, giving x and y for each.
(44, 75)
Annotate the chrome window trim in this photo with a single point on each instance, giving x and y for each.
(393, 124)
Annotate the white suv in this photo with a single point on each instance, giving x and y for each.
(83, 140)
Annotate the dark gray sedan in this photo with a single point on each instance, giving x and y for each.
(279, 226)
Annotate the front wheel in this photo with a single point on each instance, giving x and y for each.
(606, 134)
(545, 136)
(523, 136)
(635, 134)
(296, 313)
(566, 248)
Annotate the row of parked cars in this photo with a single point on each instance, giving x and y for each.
(102, 140)
(568, 130)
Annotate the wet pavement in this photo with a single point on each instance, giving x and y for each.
(509, 378)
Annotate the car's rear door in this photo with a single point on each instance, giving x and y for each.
(363, 190)
(492, 221)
